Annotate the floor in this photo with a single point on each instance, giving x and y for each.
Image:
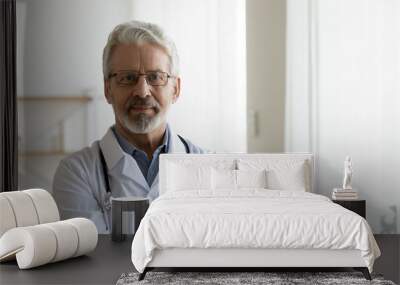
(389, 262)
(110, 260)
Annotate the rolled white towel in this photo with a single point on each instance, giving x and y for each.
(23, 209)
(32, 246)
(7, 220)
(45, 206)
(40, 244)
(87, 234)
(67, 240)
(26, 208)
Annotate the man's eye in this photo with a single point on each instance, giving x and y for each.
(153, 76)
(130, 77)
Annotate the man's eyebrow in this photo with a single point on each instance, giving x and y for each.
(126, 70)
(137, 71)
(155, 70)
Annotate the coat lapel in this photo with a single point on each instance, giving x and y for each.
(120, 163)
(176, 146)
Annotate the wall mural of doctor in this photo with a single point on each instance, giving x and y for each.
(141, 81)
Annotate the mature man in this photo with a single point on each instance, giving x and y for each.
(141, 81)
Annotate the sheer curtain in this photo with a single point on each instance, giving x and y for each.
(343, 97)
(210, 38)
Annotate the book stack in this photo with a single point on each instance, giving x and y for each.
(344, 194)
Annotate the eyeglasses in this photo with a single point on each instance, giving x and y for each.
(131, 78)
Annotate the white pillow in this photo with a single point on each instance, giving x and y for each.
(185, 177)
(226, 179)
(287, 179)
(282, 174)
(251, 178)
(223, 179)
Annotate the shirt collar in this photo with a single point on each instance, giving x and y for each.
(113, 152)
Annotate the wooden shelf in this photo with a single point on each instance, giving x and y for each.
(65, 103)
(43, 153)
(55, 98)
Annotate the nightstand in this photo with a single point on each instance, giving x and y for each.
(357, 206)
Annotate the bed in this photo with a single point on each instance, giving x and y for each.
(247, 211)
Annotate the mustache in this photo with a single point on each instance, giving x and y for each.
(147, 102)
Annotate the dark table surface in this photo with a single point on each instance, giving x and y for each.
(104, 265)
(110, 259)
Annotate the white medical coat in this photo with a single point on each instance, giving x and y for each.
(79, 185)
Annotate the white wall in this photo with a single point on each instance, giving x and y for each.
(64, 40)
(60, 55)
(343, 67)
(210, 38)
(63, 43)
(266, 56)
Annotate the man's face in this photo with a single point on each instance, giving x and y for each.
(140, 108)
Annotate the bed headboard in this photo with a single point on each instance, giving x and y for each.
(236, 161)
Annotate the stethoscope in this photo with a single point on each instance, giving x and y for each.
(106, 205)
(107, 197)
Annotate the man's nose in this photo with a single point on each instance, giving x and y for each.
(142, 88)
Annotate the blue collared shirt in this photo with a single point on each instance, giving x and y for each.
(148, 167)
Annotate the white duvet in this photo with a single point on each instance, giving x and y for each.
(251, 218)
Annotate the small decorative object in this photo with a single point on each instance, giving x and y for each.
(348, 173)
(346, 192)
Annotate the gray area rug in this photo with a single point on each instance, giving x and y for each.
(225, 278)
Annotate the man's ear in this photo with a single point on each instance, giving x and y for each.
(107, 91)
(177, 90)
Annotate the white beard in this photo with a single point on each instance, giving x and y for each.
(143, 123)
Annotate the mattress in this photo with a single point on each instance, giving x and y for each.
(250, 219)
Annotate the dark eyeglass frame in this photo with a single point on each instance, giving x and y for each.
(168, 76)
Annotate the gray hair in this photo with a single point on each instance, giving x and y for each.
(135, 32)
